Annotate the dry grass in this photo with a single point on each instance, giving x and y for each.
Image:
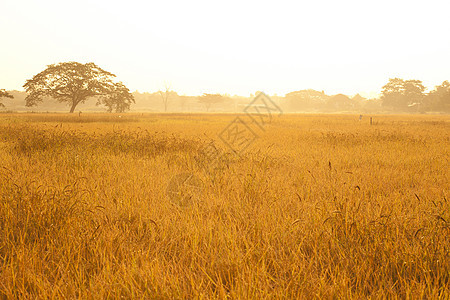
(321, 206)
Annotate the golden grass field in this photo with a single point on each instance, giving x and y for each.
(320, 206)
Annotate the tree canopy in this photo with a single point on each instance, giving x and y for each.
(119, 100)
(74, 83)
(400, 94)
(306, 99)
(439, 98)
(341, 102)
(210, 99)
(5, 94)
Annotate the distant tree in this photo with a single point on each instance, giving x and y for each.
(400, 94)
(119, 100)
(306, 99)
(74, 83)
(358, 98)
(340, 102)
(372, 105)
(358, 102)
(439, 98)
(165, 95)
(414, 92)
(393, 93)
(4, 94)
(209, 99)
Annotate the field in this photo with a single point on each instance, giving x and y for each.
(133, 206)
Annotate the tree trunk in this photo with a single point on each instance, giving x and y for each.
(74, 104)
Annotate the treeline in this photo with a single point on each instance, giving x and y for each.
(409, 95)
(398, 95)
(148, 102)
(315, 101)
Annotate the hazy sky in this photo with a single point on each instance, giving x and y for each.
(235, 47)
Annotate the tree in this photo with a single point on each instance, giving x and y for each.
(74, 83)
(414, 92)
(358, 98)
(400, 94)
(393, 93)
(439, 98)
(119, 100)
(340, 102)
(210, 99)
(5, 94)
(306, 99)
(165, 95)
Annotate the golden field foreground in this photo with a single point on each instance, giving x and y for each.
(320, 206)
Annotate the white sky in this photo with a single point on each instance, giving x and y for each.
(235, 47)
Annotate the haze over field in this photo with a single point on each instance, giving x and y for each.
(231, 47)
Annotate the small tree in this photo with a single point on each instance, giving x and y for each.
(210, 99)
(119, 100)
(71, 82)
(165, 96)
(5, 94)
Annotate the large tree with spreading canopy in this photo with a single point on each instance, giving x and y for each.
(74, 83)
